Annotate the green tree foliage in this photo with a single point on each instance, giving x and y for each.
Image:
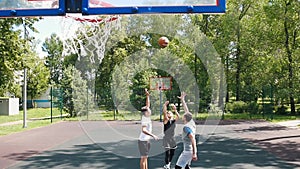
(54, 61)
(258, 42)
(14, 51)
(122, 48)
(10, 53)
(37, 78)
(77, 98)
(285, 45)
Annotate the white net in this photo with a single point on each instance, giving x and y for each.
(87, 36)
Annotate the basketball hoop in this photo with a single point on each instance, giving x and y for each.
(160, 83)
(86, 36)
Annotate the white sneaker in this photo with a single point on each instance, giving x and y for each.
(167, 166)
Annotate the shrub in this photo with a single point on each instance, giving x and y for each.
(298, 111)
(253, 108)
(281, 110)
(236, 107)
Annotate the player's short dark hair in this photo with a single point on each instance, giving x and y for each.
(144, 110)
(188, 116)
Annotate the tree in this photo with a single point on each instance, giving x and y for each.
(37, 78)
(77, 99)
(14, 51)
(54, 60)
(286, 42)
(119, 46)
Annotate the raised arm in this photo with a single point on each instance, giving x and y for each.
(182, 98)
(147, 98)
(165, 110)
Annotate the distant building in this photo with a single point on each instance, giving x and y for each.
(41, 102)
(9, 106)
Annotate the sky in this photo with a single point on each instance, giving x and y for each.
(46, 27)
(64, 27)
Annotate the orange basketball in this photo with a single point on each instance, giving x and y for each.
(163, 42)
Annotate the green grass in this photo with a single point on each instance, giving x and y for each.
(279, 118)
(31, 113)
(242, 116)
(5, 130)
(268, 117)
(109, 115)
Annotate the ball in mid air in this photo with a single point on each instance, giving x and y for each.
(163, 42)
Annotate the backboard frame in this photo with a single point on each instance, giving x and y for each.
(60, 11)
(220, 7)
(84, 8)
(153, 85)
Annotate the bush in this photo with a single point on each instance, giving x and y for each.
(281, 110)
(236, 107)
(253, 108)
(298, 111)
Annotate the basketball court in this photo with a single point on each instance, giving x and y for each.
(113, 144)
(246, 144)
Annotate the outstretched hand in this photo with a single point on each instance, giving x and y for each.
(155, 137)
(183, 94)
(166, 103)
(147, 92)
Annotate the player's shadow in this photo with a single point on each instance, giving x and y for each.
(216, 152)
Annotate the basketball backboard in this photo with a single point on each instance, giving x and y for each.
(160, 83)
(19, 8)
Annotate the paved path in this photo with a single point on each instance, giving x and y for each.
(290, 123)
(110, 145)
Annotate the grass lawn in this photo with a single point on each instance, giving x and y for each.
(109, 115)
(272, 118)
(5, 130)
(31, 114)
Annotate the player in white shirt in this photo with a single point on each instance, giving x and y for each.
(146, 133)
(189, 152)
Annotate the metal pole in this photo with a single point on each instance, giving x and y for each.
(263, 102)
(51, 99)
(25, 84)
(60, 103)
(160, 103)
(25, 100)
(87, 100)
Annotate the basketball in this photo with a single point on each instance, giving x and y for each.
(163, 42)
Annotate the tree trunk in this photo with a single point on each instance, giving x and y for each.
(221, 90)
(290, 61)
(227, 74)
(238, 65)
(244, 9)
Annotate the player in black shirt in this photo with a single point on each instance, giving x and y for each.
(169, 142)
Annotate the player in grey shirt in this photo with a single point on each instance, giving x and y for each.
(189, 152)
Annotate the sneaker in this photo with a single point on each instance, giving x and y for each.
(167, 166)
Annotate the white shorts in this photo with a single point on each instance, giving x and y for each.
(185, 158)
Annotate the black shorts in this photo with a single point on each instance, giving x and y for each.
(144, 147)
(169, 143)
